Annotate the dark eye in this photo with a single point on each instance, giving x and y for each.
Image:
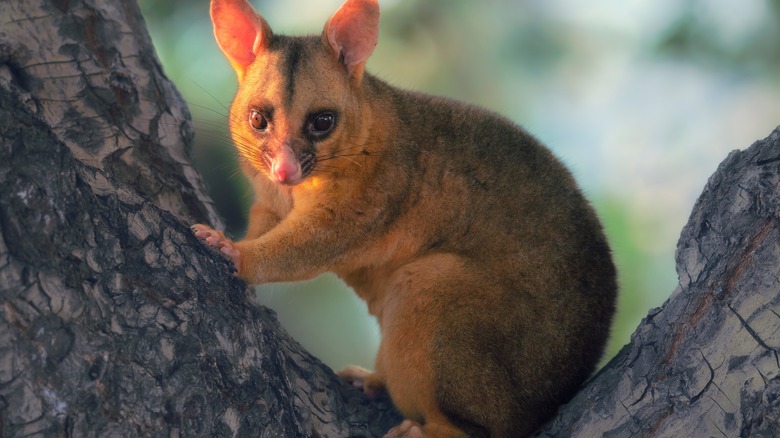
(258, 120)
(321, 124)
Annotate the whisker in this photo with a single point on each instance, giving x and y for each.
(215, 100)
(346, 157)
(211, 124)
(349, 148)
(234, 174)
(327, 169)
(229, 114)
(333, 157)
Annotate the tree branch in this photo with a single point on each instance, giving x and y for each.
(116, 321)
(707, 361)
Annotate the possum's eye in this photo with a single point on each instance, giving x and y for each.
(258, 121)
(320, 125)
(323, 122)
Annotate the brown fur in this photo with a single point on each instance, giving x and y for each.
(486, 268)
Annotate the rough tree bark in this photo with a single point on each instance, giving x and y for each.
(706, 363)
(115, 321)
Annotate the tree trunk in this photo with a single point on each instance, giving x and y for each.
(116, 321)
(706, 363)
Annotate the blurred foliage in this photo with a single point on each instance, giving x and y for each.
(726, 37)
(642, 99)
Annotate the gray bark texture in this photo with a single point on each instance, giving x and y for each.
(706, 363)
(116, 321)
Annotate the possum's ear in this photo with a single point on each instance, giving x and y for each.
(352, 33)
(241, 33)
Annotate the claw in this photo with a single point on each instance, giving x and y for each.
(218, 241)
(407, 429)
(363, 379)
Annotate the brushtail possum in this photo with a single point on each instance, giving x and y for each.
(486, 268)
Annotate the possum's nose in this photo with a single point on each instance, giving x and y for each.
(286, 169)
(284, 174)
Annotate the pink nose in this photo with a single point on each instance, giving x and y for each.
(285, 168)
(284, 171)
(281, 175)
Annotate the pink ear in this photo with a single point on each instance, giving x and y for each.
(352, 33)
(241, 33)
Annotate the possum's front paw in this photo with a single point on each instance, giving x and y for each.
(407, 429)
(216, 239)
(371, 384)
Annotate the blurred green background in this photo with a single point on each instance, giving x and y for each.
(640, 98)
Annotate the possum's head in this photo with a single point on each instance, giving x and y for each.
(299, 105)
